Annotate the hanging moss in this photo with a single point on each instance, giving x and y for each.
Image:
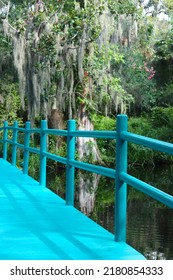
(50, 51)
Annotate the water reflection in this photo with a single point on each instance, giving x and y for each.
(149, 223)
(151, 219)
(87, 187)
(150, 229)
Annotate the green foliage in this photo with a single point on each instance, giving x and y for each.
(57, 185)
(102, 66)
(34, 166)
(162, 117)
(140, 155)
(164, 59)
(168, 4)
(120, 7)
(164, 47)
(98, 62)
(106, 147)
(10, 103)
(140, 126)
(46, 47)
(139, 75)
(61, 150)
(71, 21)
(6, 68)
(164, 95)
(155, 125)
(103, 123)
(138, 79)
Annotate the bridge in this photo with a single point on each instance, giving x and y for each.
(37, 224)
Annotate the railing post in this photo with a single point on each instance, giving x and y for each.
(14, 147)
(43, 146)
(121, 186)
(70, 170)
(5, 137)
(26, 145)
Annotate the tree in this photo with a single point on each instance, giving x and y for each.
(56, 45)
(67, 59)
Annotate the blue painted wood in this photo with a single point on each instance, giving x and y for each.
(56, 158)
(57, 132)
(120, 174)
(14, 147)
(26, 145)
(151, 191)
(124, 135)
(36, 224)
(148, 142)
(33, 150)
(5, 137)
(120, 185)
(43, 147)
(20, 129)
(109, 172)
(95, 134)
(69, 167)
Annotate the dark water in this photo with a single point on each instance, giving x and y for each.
(149, 224)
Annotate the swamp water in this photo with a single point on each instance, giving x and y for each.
(149, 223)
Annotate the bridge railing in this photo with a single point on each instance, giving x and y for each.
(119, 174)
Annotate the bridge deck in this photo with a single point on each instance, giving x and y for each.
(35, 224)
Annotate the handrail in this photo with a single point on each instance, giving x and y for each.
(120, 175)
(109, 172)
(153, 192)
(148, 142)
(94, 134)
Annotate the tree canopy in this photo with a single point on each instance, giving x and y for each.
(79, 57)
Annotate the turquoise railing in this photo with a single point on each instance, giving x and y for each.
(120, 175)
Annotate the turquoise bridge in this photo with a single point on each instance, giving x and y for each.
(36, 224)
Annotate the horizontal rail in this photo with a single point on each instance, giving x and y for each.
(21, 146)
(34, 130)
(9, 127)
(48, 131)
(94, 134)
(148, 142)
(55, 157)
(55, 132)
(147, 189)
(108, 172)
(9, 141)
(78, 133)
(20, 129)
(33, 150)
(120, 175)
(15, 128)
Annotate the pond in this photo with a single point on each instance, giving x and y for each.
(149, 223)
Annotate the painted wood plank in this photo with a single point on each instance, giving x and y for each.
(36, 224)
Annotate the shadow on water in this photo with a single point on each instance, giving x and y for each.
(149, 223)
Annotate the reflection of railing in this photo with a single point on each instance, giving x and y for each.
(120, 175)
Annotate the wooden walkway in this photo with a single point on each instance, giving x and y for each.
(36, 224)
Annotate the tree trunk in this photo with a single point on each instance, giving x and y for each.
(87, 147)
